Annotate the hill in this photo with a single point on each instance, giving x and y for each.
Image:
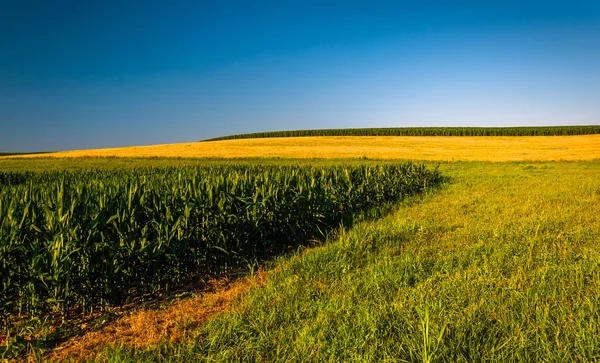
(436, 148)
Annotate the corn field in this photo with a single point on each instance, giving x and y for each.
(428, 131)
(84, 240)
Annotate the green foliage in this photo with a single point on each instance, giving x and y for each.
(45, 164)
(427, 131)
(502, 265)
(95, 238)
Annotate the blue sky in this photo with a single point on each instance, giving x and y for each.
(89, 74)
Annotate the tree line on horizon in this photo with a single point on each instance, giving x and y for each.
(426, 131)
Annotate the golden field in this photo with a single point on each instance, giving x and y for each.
(442, 148)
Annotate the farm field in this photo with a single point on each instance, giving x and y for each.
(427, 131)
(439, 148)
(75, 243)
(501, 264)
(209, 181)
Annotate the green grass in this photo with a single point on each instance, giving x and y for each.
(427, 131)
(502, 265)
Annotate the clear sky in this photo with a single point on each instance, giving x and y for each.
(88, 74)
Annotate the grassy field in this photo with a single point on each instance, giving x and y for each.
(474, 148)
(500, 266)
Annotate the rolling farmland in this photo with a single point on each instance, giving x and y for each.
(224, 181)
(435, 148)
(501, 264)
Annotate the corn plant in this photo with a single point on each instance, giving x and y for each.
(428, 131)
(96, 238)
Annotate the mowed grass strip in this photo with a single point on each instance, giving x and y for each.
(451, 148)
(503, 265)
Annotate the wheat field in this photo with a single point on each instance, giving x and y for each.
(451, 148)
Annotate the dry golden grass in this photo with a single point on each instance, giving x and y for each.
(480, 148)
(143, 328)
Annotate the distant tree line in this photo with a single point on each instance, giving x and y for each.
(427, 131)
